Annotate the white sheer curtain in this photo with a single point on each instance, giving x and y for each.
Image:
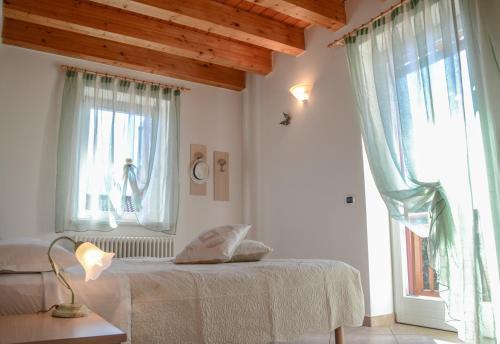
(425, 146)
(482, 38)
(117, 155)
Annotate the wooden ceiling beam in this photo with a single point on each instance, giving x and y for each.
(100, 21)
(34, 36)
(212, 16)
(328, 13)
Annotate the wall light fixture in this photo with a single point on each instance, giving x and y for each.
(301, 91)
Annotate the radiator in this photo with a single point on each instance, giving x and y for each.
(157, 247)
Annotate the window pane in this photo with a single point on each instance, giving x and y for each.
(113, 137)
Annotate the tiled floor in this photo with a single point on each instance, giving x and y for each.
(396, 334)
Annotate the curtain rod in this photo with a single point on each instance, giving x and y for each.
(340, 42)
(121, 77)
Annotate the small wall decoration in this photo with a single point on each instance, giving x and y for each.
(287, 119)
(221, 176)
(222, 163)
(198, 170)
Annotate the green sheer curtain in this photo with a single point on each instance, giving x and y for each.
(482, 37)
(118, 155)
(424, 145)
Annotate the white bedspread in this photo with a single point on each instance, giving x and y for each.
(262, 302)
(21, 293)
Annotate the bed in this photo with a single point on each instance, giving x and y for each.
(156, 301)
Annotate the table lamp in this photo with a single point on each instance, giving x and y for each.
(93, 260)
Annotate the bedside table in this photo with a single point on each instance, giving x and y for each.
(43, 328)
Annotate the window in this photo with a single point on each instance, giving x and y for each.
(121, 167)
(116, 141)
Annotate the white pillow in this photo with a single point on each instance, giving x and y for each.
(215, 245)
(250, 251)
(30, 255)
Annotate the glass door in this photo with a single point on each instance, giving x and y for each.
(416, 298)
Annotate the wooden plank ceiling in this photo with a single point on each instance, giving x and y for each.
(207, 41)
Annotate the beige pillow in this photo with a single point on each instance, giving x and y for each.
(250, 251)
(25, 255)
(215, 245)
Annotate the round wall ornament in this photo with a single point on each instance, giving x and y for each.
(199, 171)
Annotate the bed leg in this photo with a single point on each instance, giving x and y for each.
(339, 335)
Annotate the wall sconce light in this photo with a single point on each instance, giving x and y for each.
(301, 92)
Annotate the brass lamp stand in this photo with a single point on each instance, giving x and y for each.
(66, 310)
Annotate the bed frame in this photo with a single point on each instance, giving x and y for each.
(339, 335)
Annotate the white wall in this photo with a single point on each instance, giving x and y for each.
(30, 91)
(296, 177)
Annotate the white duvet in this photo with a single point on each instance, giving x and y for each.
(156, 301)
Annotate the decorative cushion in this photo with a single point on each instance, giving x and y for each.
(215, 245)
(250, 251)
(26, 255)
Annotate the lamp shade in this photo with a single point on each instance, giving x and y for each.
(93, 260)
(301, 91)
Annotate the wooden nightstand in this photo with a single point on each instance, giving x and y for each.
(43, 328)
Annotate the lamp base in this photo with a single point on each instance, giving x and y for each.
(70, 310)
